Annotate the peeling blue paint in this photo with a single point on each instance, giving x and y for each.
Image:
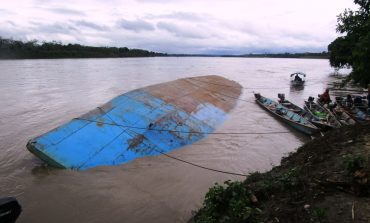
(105, 135)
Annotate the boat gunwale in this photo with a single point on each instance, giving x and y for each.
(311, 126)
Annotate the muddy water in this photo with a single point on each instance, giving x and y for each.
(38, 95)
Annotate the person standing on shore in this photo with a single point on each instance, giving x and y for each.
(325, 97)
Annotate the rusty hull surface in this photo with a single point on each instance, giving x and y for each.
(143, 122)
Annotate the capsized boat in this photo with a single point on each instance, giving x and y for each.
(286, 115)
(297, 78)
(148, 121)
(328, 119)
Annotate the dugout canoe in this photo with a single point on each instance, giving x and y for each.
(145, 122)
(284, 114)
(327, 118)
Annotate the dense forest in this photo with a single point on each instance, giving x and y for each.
(323, 55)
(352, 49)
(15, 49)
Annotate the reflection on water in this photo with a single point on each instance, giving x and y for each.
(38, 95)
(294, 88)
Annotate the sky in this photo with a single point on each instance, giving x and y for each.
(178, 26)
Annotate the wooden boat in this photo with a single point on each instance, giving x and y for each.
(355, 112)
(327, 118)
(358, 115)
(145, 122)
(300, 111)
(297, 79)
(284, 114)
(342, 116)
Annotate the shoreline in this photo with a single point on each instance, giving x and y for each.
(325, 180)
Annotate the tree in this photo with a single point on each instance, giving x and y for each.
(353, 48)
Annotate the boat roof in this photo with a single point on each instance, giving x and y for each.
(298, 73)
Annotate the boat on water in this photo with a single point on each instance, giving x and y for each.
(297, 79)
(342, 116)
(340, 113)
(286, 115)
(144, 122)
(300, 111)
(351, 109)
(327, 118)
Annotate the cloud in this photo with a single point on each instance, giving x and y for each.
(184, 32)
(8, 29)
(55, 28)
(137, 25)
(6, 12)
(66, 11)
(185, 16)
(177, 26)
(90, 25)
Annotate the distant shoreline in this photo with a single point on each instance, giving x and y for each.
(278, 55)
(15, 49)
(273, 56)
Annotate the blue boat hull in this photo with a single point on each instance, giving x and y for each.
(284, 114)
(144, 122)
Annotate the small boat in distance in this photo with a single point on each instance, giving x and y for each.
(284, 114)
(297, 78)
(328, 119)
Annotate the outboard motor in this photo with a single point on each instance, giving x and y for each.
(281, 96)
(339, 100)
(358, 101)
(311, 99)
(9, 210)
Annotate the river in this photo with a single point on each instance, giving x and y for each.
(39, 95)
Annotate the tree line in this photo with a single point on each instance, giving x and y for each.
(322, 55)
(353, 48)
(16, 49)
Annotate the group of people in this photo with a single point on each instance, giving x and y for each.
(349, 101)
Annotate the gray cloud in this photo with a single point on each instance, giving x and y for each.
(90, 25)
(159, 1)
(180, 31)
(55, 28)
(66, 11)
(185, 16)
(10, 23)
(137, 25)
(8, 29)
(6, 12)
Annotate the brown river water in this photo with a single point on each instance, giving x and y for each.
(39, 95)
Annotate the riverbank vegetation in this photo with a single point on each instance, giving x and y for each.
(353, 48)
(322, 55)
(326, 180)
(15, 49)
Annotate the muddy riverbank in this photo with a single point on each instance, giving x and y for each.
(325, 180)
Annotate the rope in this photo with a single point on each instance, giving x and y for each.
(178, 131)
(181, 160)
(248, 88)
(202, 167)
